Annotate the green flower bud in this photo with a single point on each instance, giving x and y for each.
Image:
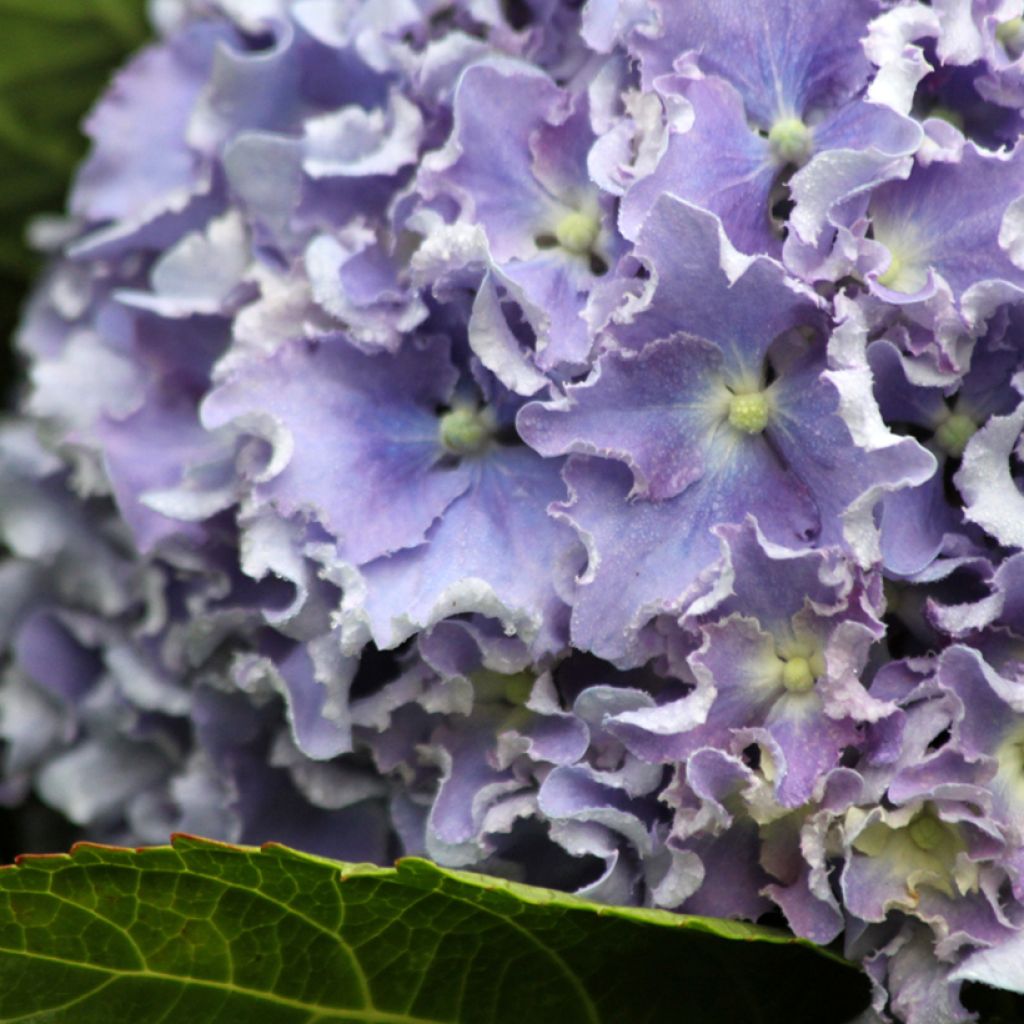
(928, 833)
(576, 232)
(954, 432)
(465, 430)
(791, 141)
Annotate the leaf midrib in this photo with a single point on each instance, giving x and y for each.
(350, 953)
(370, 1015)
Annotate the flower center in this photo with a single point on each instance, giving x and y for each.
(749, 412)
(954, 432)
(790, 141)
(909, 253)
(466, 430)
(797, 676)
(576, 232)
(927, 832)
(892, 272)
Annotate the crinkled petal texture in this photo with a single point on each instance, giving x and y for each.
(912, 220)
(516, 163)
(678, 409)
(495, 551)
(990, 477)
(722, 162)
(142, 165)
(719, 163)
(354, 439)
(580, 441)
(701, 285)
(789, 58)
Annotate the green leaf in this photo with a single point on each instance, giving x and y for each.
(202, 931)
(55, 58)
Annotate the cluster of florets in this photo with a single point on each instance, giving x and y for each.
(575, 441)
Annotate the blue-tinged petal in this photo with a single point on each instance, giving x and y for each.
(656, 410)
(1000, 967)
(786, 57)
(911, 220)
(771, 584)
(576, 794)
(92, 782)
(645, 557)
(700, 285)
(720, 164)
(363, 439)
(910, 979)
(140, 165)
(470, 787)
(359, 283)
(816, 445)
(497, 346)
(516, 166)
(488, 163)
(201, 274)
(495, 551)
(150, 450)
(357, 143)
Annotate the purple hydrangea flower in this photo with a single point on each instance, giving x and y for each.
(582, 443)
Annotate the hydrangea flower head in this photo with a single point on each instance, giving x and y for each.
(578, 442)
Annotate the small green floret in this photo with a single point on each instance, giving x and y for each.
(791, 141)
(576, 232)
(494, 687)
(1011, 34)
(502, 698)
(928, 833)
(466, 430)
(749, 413)
(954, 432)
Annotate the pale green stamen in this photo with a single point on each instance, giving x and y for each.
(749, 412)
(466, 430)
(576, 232)
(927, 832)
(892, 272)
(1012, 754)
(954, 432)
(1011, 34)
(1009, 755)
(790, 141)
(797, 676)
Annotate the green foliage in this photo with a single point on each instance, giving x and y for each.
(55, 57)
(208, 932)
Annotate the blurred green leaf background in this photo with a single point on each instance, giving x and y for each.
(56, 56)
